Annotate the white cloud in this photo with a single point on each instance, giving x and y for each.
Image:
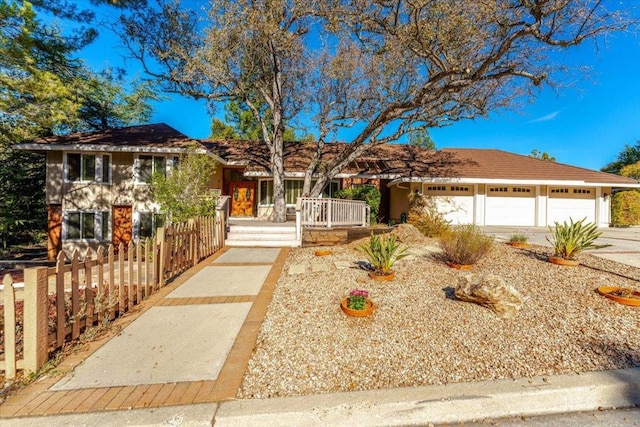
(546, 118)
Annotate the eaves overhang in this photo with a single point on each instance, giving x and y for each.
(499, 181)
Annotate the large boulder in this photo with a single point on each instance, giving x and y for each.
(490, 291)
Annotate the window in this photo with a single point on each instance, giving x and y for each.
(148, 222)
(292, 190)
(559, 190)
(88, 168)
(499, 189)
(148, 165)
(436, 188)
(87, 225)
(581, 191)
(521, 190)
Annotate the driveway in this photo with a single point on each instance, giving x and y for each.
(625, 242)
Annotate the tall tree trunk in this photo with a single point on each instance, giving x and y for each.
(277, 156)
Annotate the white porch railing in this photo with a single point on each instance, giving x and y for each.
(323, 212)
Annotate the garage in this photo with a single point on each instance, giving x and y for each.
(571, 202)
(455, 202)
(510, 205)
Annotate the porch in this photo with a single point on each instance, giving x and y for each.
(311, 214)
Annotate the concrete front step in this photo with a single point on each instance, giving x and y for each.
(256, 229)
(263, 243)
(262, 236)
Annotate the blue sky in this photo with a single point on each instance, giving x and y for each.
(584, 124)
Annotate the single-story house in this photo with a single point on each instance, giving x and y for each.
(97, 183)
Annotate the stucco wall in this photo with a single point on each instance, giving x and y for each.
(399, 200)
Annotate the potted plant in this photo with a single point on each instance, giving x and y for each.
(519, 239)
(568, 240)
(626, 296)
(357, 304)
(464, 246)
(382, 254)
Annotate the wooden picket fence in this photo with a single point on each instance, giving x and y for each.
(97, 288)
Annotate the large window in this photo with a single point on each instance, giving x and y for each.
(148, 222)
(88, 168)
(148, 165)
(292, 190)
(87, 225)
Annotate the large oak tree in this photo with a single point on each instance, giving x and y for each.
(380, 68)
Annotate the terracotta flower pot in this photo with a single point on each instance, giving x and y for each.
(324, 252)
(382, 277)
(367, 311)
(459, 266)
(561, 261)
(613, 293)
(519, 245)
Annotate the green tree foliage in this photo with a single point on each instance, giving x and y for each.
(542, 155)
(421, 138)
(242, 124)
(184, 194)
(629, 155)
(367, 193)
(22, 205)
(625, 208)
(631, 171)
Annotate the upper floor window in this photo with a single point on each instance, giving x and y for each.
(82, 167)
(147, 165)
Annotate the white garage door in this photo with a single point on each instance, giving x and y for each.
(507, 205)
(455, 202)
(568, 202)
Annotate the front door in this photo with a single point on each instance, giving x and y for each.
(243, 195)
(122, 226)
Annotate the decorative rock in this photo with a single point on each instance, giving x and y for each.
(490, 291)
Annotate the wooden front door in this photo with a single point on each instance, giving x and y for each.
(122, 225)
(54, 231)
(243, 196)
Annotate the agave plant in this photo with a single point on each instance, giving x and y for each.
(568, 240)
(382, 254)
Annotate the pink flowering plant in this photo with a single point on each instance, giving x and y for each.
(357, 298)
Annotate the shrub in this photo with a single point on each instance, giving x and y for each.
(382, 254)
(465, 245)
(568, 240)
(625, 208)
(520, 236)
(424, 215)
(367, 193)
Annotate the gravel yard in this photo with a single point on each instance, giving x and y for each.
(421, 335)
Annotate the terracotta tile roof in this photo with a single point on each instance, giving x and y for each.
(401, 160)
(156, 135)
(387, 161)
(498, 164)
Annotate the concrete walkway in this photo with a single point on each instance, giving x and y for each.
(189, 344)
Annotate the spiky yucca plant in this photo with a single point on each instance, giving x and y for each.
(382, 254)
(568, 240)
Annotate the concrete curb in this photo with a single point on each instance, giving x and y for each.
(198, 415)
(452, 403)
